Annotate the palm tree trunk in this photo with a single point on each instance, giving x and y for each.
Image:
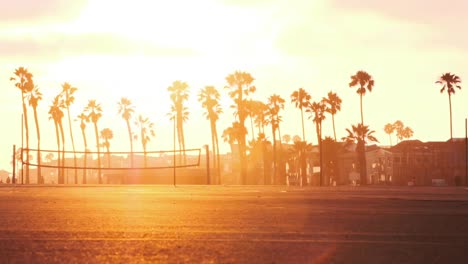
(275, 174)
(38, 133)
(26, 128)
(73, 145)
(303, 130)
(362, 162)
(108, 155)
(85, 155)
(183, 140)
(63, 151)
(362, 115)
(57, 133)
(319, 136)
(96, 133)
(333, 122)
(217, 155)
(213, 145)
(131, 141)
(252, 128)
(450, 109)
(281, 162)
(144, 154)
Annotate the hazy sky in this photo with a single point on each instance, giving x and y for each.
(114, 48)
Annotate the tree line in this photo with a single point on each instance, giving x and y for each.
(239, 86)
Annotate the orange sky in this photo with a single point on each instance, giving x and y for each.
(109, 49)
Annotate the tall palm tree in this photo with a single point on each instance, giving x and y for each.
(261, 111)
(209, 98)
(240, 85)
(179, 94)
(56, 114)
(365, 83)
(301, 99)
(25, 83)
(389, 129)
(275, 104)
(94, 112)
(251, 112)
(34, 97)
(300, 149)
(126, 109)
(317, 113)
(360, 135)
(53, 115)
(68, 99)
(84, 118)
(106, 135)
(146, 131)
(333, 102)
(449, 82)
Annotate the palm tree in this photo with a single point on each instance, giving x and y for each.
(389, 129)
(333, 102)
(360, 135)
(301, 99)
(300, 149)
(317, 113)
(126, 109)
(146, 128)
(240, 85)
(34, 97)
(84, 118)
(68, 99)
(449, 82)
(209, 98)
(275, 104)
(94, 112)
(25, 83)
(296, 138)
(179, 94)
(398, 126)
(56, 114)
(252, 111)
(260, 112)
(364, 82)
(106, 135)
(404, 133)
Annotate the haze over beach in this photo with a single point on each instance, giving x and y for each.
(136, 49)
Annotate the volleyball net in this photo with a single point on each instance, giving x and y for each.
(84, 166)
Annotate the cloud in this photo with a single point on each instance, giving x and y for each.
(57, 45)
(444, 21)
(419, 11)
(23, 11)
(352, 29)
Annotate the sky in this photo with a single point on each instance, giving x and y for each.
(110, 49)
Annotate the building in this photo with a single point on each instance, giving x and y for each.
(430, 163)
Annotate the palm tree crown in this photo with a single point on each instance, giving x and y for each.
(301, 99)
(333, 102)
(363, 81)
(449, 82)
